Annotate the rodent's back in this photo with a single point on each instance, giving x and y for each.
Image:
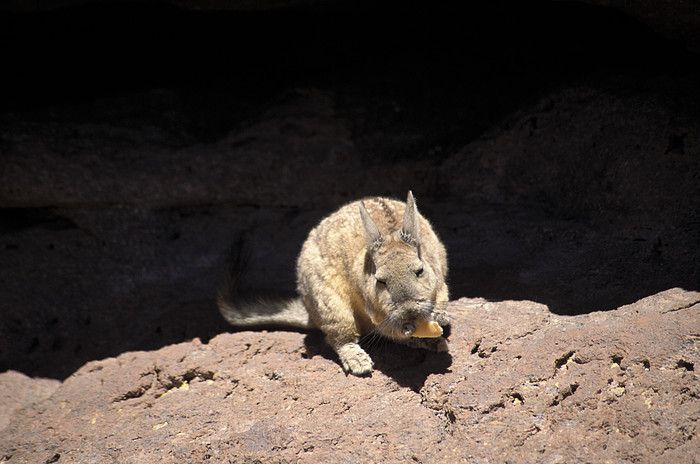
(339, 238)
(333, 246)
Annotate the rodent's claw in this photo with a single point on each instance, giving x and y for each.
(408, 328)
(354, 359)
(441, 317)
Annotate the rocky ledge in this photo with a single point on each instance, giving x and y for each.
(520, 384)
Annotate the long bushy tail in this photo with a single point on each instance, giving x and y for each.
(260, 312)
(290, 313)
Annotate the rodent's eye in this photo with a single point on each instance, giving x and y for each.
(419, 272)
(379, 281)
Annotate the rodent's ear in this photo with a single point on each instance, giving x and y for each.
(410, 232)
(372, 235)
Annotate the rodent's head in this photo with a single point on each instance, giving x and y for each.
(404, 286)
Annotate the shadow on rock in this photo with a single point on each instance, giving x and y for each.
(409, 367)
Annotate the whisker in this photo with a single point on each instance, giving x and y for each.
(387, 328)
(370, 340)
(375, 336)
(441, 305)
(374, 332)
(426, 308)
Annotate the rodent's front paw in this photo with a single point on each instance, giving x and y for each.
(354, 359)
(441, 317)
(408, 327)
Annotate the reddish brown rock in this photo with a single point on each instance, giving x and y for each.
(18, 391)
(520, 384)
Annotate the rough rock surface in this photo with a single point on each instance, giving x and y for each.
(18, 391)
(520, 385)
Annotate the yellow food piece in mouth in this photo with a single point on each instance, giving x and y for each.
(427, 329)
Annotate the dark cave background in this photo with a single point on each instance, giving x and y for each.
(553, 145)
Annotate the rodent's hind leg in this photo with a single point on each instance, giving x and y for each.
(353, 358)
(334, 316)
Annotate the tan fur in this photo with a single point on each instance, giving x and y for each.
(372, 266)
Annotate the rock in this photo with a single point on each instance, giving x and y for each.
(19, 391)
(519, 383)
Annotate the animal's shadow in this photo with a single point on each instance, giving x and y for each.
(409, 367)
